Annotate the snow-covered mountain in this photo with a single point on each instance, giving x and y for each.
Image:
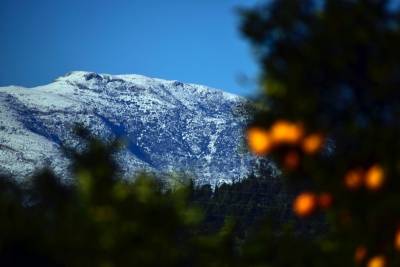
(171, 126)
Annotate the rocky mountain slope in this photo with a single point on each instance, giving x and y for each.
(170, 126)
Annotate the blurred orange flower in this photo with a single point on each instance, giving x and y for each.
(259, 140)
(325, 200)
(354, 179)
(312, 143)
(360, 254)
(397, 240)
(374, 177)
(286, 132)
(304, 204)
(291, 160)
(377, 261)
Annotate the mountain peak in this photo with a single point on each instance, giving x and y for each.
(169, 125)
(84, 77)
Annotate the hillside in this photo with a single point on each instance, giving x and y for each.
(169, 126)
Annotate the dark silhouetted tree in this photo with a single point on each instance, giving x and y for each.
(330, 92)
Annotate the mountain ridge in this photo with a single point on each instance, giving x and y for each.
(169, 125)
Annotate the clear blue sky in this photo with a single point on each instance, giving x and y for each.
(189, 40)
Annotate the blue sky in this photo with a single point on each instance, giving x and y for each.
(189, 40)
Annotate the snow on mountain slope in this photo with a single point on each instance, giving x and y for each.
(171, 126)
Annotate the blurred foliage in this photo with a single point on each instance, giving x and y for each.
(330, 69)
(102, 219)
